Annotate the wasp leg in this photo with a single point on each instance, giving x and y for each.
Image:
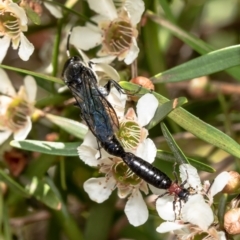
(99, 149)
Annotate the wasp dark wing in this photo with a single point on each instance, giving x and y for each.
(95, 109)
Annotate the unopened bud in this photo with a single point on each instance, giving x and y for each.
(233, 184)
(197, 87)
(144, 82)
(232, 221)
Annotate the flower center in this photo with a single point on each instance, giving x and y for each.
(17, 113)
(118, 36)
(129, 134)
(9, 24)
(124, 175)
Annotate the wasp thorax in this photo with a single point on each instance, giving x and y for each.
(117, 36)
(124, 175)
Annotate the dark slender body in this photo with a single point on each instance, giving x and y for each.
(102, 120)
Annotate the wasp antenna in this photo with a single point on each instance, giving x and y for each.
(68, 42)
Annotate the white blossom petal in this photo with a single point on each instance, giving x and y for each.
(198, 212)
(23, 132)
(189, 173)
(4, 45)
(4, 103)
(99, 189)
(104, 7)
(118, 101)
(135, 9)
(169, 226)
(4, 135)
(90, 140)
(146, 108)
(107, 69)
(6, 86)
(19, 12)
(132, 53)
(26, 48)
(87, 155)
(156, 191)
(219, 183)
(85, 38)
(31, 88)
(164, 207)
(106, 60)
(147, 150)
(55, 10)
(136, 209)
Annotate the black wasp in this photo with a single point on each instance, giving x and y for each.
(102, 120)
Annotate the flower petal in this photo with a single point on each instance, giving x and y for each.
(107, 69)
(4, 135)
(135, 8)
(31, 88)
(19, 12)
(157, 191)
(147, 150)
(22, 133)
(136, 209)
(189, 173)
(6, 86)
(4, 45)
(104, 7)
(132, 53)
(146, 108)
(26, 48)
(169, 226)
(198, 212)
(55, 10)
(219, 183)
(164, 207)
(87, 155)
(99, 189)
(118, 101)
(85, 38)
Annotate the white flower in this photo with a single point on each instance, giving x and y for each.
(55, 10)
(16, 108)
(12, 25)
(116, 30)
(194, 216)
(117, 173)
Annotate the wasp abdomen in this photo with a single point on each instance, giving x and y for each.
(146, 171)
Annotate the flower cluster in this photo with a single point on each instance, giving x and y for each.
(116, 29)
(133, 137)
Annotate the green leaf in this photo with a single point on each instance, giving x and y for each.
(177, 152)
(43, 192)
(52, 148)
(33, 16)
(13, 184)
(194, 42)
(207, 64)
(193, 124)
(75, 128)
(34, 74)
(169, 157)
(164, 109)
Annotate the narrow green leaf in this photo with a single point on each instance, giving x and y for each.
(52, 148)
(164, 109)
(43, 192)
(169, 157)
(177, 152)
(34, 74)
(193, 124)
(13, 184)
(207, 64)
(75, 128)
(194, 42)
(33, 16)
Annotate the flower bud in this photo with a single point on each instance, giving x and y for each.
(144, 82)
(233, 184)
(232, 221)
